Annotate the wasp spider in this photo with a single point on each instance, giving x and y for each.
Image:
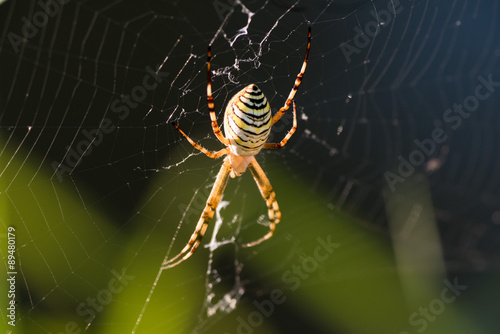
(247, 124)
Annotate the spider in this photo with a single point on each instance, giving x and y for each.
(247, 124)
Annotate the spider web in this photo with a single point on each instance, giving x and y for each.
(389, 189)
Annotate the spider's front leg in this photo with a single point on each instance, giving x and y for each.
(207, 215)
(267, 192)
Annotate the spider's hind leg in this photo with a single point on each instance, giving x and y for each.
(269, 196)
(207, 215)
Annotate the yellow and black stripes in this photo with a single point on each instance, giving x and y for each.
(247, 121)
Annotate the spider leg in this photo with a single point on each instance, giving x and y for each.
(288, 135)
(298, 80)
(210, 100)
(213, 155)
(207, 215)
(267, 192)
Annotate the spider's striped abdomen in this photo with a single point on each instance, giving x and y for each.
(247, 121)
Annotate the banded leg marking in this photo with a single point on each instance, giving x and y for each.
(267, 192)
(207, 215)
